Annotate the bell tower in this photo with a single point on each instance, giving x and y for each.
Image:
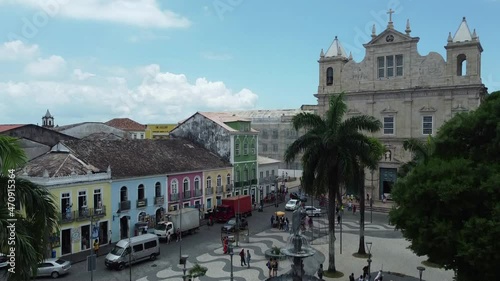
(48, 120)
(463, 56)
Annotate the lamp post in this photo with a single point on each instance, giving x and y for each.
(129, 251)
(238, 217)
(420, 270)
(369, 247)
(231, 253)
(371, 201)
(183, 261)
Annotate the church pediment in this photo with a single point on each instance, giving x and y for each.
(353, 111)
(389, 110)
(428, 109)
(390, 36)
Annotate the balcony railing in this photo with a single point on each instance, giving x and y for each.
(219, 189)
(159, 200)
(198, 193)
(210, 190)
(67, 217)
(141, 203)
(174, 197)
(85, 214)
(124, 205)
(187, 194)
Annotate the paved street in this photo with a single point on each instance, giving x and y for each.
(205, 248)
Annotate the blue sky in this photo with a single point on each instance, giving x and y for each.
(161, 61)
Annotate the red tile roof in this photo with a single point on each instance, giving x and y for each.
(126, 124)
(8, 127)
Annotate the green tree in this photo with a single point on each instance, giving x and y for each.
(421, 152)
(36, 219)
(449, 205)
(328, 148)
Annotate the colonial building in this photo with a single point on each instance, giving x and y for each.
(159, 131)
(268, 174)
(215, 180)
(411, 94)
(134, 129)
(92, 130)
(82, 195)
(232, 138)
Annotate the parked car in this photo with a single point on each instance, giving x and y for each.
(312, 211)
(298, 196)
(292, 205)
(146, 246)
(4, 260)
(230, 225)
(53, 267)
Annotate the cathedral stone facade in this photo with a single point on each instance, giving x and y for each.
(412, 95)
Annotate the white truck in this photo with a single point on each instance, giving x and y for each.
(187, 220)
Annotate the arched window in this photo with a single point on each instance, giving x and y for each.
(219, 180)
(228, 179)
(209, 182)
(140, 192)
(197, 183)
(461, 65)
(329, 76)
(237, 147)
(186, 185)
(123, 194)
(157, 189)
(174, 187)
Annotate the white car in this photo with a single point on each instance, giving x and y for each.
(312, 211)
(292, 205)
(53, 268)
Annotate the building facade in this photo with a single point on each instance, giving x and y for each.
(134, 129)
(185, 190)
(82, 194)
(412, 95)
(232, 138)
(158, 131)
(268, 174)
(215, 184)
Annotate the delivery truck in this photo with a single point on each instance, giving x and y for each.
(187, 220)
(232, 207)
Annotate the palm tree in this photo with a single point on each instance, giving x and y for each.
(329, 146)
(36, 220)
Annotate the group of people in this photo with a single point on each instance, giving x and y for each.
(272, 265)
(245, 258)
(281, 222)
(366, 276)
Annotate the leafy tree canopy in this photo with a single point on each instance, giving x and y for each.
(449, 205)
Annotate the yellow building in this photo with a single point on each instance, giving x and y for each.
(215, 183)
(82, 194)
(159, 131)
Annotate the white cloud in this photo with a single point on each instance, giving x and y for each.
(215, 56)
(17, 50)
(52, 66)
(143, 13)
(78, 74)
(160, 97)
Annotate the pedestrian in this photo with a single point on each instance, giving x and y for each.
(225, 244)
(351, 277)
(354, 209)
(272, 221)
(169, 237)
(110, 234)
(268, 264)
(96, 247)
(379, 276)
(338, 219)
(310, 223)
(249, 257)
(361, 278)
(287, 226)
(320, 272)
(275, 267)
(242, 257)
(178, 235)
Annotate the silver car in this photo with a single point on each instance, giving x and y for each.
(53, 267)
(313, 211)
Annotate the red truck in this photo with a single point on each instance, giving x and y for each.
(229, 208)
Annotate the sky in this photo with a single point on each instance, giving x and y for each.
(160, 61)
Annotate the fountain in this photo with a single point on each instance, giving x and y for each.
(297, 248)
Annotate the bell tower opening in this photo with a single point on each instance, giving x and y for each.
(461, 65)
(329, 76)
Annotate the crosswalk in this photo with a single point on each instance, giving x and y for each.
(352, 225)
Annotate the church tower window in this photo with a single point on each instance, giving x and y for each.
(329, 76)
(461, 65)
(381, 67)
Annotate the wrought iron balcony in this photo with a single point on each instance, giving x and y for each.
(141, 203)
(187, 194)
(67, 217)
(219, 189)
(198, 193)
(174, 197)
(124, 206)
(210, 190)
(85, 214)
(98, 212)
(159, 200)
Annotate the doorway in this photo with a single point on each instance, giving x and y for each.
(103, 232)
(124, 232)
(66, 241)
(388, 177)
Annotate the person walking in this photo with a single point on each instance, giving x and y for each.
(242, 257)
(178, 235)
(275, 267)
(310, 223)
(320, 272)
(338, 219)
(272, 221)
(96, 247)
(379, 276)
(269, 266)
(249, 257)
(354, 209)
(169, 238)
(351, 277)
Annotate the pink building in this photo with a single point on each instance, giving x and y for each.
(186, 189)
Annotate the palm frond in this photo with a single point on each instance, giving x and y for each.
(11, 154)
(305, 120)
(361, 122)
(300, 145)
(337, 109)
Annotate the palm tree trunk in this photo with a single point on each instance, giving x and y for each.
(331, 228)
(361, 188)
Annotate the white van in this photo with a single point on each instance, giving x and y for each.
(144, 247)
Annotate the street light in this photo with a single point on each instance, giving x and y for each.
(420, 270)
(238, 217)
(231, 253)
(129, 251)
(369, 247)
(371, 200)
(183, 261)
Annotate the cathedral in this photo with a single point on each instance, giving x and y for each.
(411, 94)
